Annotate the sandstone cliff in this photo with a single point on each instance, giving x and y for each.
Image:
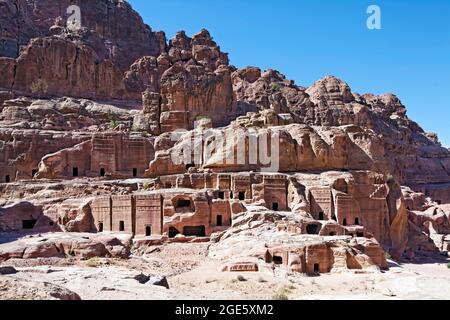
(116, 91)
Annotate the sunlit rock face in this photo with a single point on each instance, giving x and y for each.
(88, 118)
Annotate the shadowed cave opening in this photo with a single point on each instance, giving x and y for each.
(199, 231)
(312, 229)
(173, 232)
(277, 260)
(28, 224)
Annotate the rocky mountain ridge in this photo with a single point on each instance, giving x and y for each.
(92, 147)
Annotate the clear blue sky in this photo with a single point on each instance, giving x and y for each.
(308, 39)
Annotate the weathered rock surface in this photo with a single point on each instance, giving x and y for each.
(60, 245)
(16, 289)
(355, 177)
(257, 236)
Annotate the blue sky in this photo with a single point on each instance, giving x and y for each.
(309, 39)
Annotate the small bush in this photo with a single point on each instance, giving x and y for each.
(147, 186)
(202, 117)
(92, 263)
(241, 278)
(262, 280)
(68, 261)
(280, 297)
(282, 293)
(275, 87)
(113, 121)
(448, 265)
(388, 256)
(291, 287)
(39, 87)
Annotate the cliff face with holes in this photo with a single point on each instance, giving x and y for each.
(112, 93)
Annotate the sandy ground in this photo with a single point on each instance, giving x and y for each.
(192, 275)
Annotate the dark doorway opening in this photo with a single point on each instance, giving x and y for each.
(33, 173)
(199, 231)
(277, 260)
(28, 224)
(332, 234)
(100, 227)
(75, 171)
(173, 232)
(219, 221)
(242, 195)
(148, 231)
(7, 179)
(135, 172)
(360, 235)
(188, 166)
(312, 229)
(357, 221)
(102, 172)
(316, 268)
(183, 203)
(122, 226)
(231, 195)
(344, 222)
(321, 216)
(334, 218)
(439, 202)
(351, 235)
(275, 206)
(221, 195)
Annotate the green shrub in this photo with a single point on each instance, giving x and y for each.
(92, 263)
(280, 297)
(282, 293)
(112, 118)
(147, 186)
(275, 87)
(39, 87)
(201, 117)
(448, 265)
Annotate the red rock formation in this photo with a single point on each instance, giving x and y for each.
(376, 172)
